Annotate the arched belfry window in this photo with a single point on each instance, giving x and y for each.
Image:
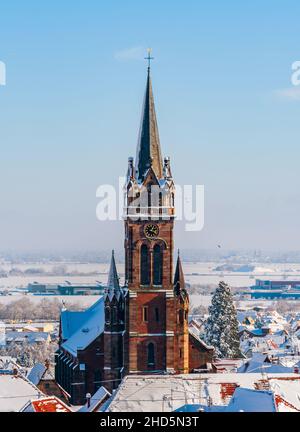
(157, 264)
(149, 186)
(114, 315)
(172, 199)
(107, 315)
(150, 354)
(145, 265)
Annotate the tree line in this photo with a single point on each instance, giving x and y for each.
(25, 309)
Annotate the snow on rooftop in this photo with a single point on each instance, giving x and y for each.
(83, 329)
(15, 392)
(36, 373)
(96, 400)
(249, 400)
(167, 393)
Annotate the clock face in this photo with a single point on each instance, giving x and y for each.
(151, 230)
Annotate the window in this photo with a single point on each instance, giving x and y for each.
(156, 314)
(180, 316)
(107, 315)
(180, 352)
(160, 199)
(114, 315)
(145, 265)
(145, 313)
(129, 263)
(150, 354)
(157, 265)
(149, 194)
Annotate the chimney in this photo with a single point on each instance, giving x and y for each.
(88, 399)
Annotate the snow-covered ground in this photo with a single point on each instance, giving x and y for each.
(195, 273)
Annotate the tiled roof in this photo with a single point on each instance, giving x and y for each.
(49, 404)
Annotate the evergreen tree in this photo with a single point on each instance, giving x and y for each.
(221, 328)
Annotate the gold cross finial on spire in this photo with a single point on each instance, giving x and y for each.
(149, 58)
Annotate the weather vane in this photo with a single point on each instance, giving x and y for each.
(149, 58)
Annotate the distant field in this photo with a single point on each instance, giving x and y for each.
(195, 273)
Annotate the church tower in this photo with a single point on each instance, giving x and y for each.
(156, 338)
(114, 307)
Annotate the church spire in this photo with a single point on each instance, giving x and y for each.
(113, 278)
(148, 149)
(179, 283)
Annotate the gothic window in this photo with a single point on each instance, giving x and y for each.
(150, 354)
(107, 315)
(180, 316)
(157, 265)
(138, 203)
(172, 199)
(130, 246)
(149, 194)
(145, 313)
(114, 315)
(160, 199)
(145, 265)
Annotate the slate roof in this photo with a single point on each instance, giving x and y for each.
(179, 283)
(148, 143)
(36, 373)
(70, 322)
(96, 400)
(83, 327)
(249, 400)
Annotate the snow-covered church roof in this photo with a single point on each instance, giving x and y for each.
(79, 329)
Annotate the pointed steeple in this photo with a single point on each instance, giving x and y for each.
(113, 278)
(179, 283)
(148, 149)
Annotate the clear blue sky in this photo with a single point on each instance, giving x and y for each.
(228, 116)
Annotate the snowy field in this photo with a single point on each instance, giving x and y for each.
(195, 273)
